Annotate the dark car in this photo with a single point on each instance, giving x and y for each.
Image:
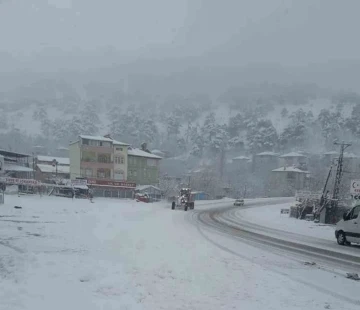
(239, 202)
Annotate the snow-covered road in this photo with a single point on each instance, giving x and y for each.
(58, 253)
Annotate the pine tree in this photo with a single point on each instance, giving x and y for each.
(173, 125)
(352, 123)
(262, 136)
(331, 125)
(284, 112)
(90, 121)
(296, 134)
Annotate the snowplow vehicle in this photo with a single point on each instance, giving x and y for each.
(184, 201)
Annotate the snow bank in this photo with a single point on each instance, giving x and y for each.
(269, 216)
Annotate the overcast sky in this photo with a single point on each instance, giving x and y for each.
(283, 31)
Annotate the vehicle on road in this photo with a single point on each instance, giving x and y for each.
(184, 201)
(239, 202)
(348, 229)
(142, 197)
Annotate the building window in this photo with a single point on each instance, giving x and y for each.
(151, 162)
(119, 175)
(104, 158)
(88, 156)
(119, 149)
(93, 143)
(105, 143)
(88, 172)
(85, 141)
(120, 160)
(103, 173)
(291, 176)
(135, 173)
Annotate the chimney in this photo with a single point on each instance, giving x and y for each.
(108, 136)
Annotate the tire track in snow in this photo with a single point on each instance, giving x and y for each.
(211, 219)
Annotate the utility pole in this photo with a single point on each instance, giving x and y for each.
(222, 162)
(33, 165)
(337, 183)
(55, 163)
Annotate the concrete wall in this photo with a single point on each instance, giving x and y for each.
(140, 172)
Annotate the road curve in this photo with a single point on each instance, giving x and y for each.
(226, 220)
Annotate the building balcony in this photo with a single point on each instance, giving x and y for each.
(97, 149)
(96, 165)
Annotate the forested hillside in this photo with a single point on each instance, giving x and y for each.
(247, 117)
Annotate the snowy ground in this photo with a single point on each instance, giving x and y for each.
(58, 253)
(270, 216)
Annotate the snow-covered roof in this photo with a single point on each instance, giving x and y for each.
(267, 154)
(115, 142)
(292, 154)
(350, 155)
(17, 168)
(331, 153)
(51, 169)
(289, 169)
(97, 138)
(141, 153)
(241, 158)
(60, 160)
(62, 148)
(144, 187)
(158, 152)
(105, 139)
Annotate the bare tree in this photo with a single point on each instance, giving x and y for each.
(169, 186)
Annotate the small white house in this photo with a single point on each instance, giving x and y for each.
(285, 181)
(293, 158)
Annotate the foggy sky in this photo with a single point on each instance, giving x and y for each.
(289, 32)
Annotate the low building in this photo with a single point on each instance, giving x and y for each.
(49, 160)
(153, 192)
(17, 165)
(48, 168)
(143, 167)
(294, 159)
(200, 195)
(45, 173)
(285, 181)
(241, 159)
(265, 161)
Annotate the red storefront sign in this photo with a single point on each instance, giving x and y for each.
(16, 181)
(101, 182)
